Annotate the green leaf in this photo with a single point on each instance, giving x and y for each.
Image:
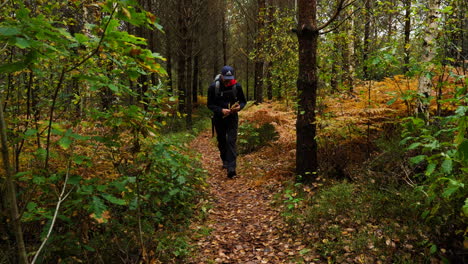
(30, 132)
(74, 179)
(39, 179)
(9, 31)
(101, 188)
(392, 101)
(41, 153)
(85, 189)
(418, 159)
(433, 249)
(113, 87)
(65, 142)
(376, 61)
(181, 179)
(414, 145)
(113, 199)
(97, 206)
(23, 13)
(78, 159)
(435, 144)
(452, 188)
(31, 206)
(447, 10)
(174, 192)
(425, 214)
(18, 65)
(447, 166)
(12, 67)
(430, 169)
(462, 152)
(461, 110)
(22, 43)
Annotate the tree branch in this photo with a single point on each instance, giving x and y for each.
(247, 15)
(61, 198)
(341, 6)
(341, 22)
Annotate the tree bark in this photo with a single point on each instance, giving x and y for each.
(181, 67)
(367, 28)
(169, 62)
(189, 71)
(429, 53)
(306, 145)
(196, 70)
(351, 56)
(307, 83)
(269, 81)
(224, 33)
(259, 63)
(407, 33)
(11, 191)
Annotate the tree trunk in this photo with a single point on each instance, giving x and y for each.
(334, 78)
(11, 191)
(306, 145)
(365, 49)
(224, 33)
(351, 56)
(407, 4)
(259, 63)
(182, 67)
(258, 93)
(169, 62)
(189, 51)
(196, 71)
(429, 53)
(269, 81)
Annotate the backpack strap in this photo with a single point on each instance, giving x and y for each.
(217, 88)
(217, 84)
(234, 91)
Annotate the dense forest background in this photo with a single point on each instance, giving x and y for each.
(100, 99)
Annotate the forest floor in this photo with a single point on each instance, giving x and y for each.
(243, 226)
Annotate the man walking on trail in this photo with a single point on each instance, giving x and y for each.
(225, 99)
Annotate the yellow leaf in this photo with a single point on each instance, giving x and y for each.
(126, 12)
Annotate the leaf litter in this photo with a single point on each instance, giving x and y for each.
(244, 226)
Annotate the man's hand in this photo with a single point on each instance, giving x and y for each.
(235, 109)
(226, 112)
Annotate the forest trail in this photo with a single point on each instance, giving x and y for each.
(244, 226)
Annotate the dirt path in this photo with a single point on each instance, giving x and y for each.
(244, 226)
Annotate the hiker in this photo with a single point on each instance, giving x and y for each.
(225, 99)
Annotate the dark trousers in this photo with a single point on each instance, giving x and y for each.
(226, 133)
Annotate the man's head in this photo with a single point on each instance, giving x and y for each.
(228, 73)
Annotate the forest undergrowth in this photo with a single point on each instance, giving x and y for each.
(364, 207)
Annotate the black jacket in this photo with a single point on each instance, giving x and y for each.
(225, 99)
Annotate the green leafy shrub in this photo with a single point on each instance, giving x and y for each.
(149, 205)
(252, 137)
(439, 157)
